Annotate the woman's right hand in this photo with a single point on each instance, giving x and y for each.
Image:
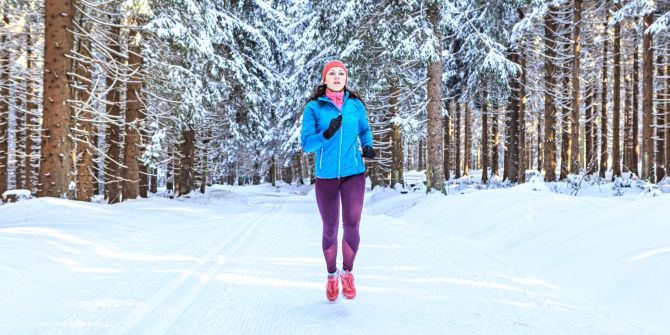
(335, 124)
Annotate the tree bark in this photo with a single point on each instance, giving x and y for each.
(647, 102)
(19, 141)
(627, 129)
(512, 134)
(467, 146)
(56, 165)
(457, 142)
(203, 174)
(574, 119)
(85, 122)
(565, 117)
(550, 86)
(495, 140)
(186, 162)
(421, 152)
(522, 122)
(446, 122)
(154, 181)
(435, 137)
(396, 137)
(113, 136)
(31, 111)
(603, 112)
(540, 139)
(4, 110)
(589, 131)
(131, 154)
(635, 154)
(485, 141)
(666, 163)
(616, 105)
(660, 124)
(145, 137)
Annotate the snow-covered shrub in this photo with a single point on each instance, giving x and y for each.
(16, 195)
(664, 185)
(621, 184)
(649, 190)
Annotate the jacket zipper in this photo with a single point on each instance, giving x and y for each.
(339, 156)
(321, 159)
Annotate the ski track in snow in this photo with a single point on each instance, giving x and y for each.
(261, 271)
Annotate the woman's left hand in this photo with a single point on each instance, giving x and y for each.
(368, 152)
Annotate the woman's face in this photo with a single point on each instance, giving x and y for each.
(336, 79)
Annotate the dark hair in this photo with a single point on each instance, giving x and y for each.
(320, 90)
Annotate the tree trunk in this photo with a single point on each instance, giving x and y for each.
(396, 137)
(566, 115)
(616, 105)
(446, 122)
(299, 176)
(512, 142)
(549, 105)
(435, 136)
(467, 146)
(666, 163)
(574, 119)
(647, 102)
(85, 121)
(589, 130)
(457, 142)
(627, 129)
(31, 111)
(522, 123)
(660, 124)
(113, 136)
(19, 142)
(421, 160)
(205, 145)
(540, 139)
(56, 165)
(485, 141)
(145, 137)
(131, 154)
(374, 167)
(603, 111)
(495, 136)
(169, 173)
(4, 110)
(635, 154)
(185, 166)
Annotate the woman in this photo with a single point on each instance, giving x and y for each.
(333, 122)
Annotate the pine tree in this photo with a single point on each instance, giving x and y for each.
(55, 163)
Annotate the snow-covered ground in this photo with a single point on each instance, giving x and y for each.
(247, 260)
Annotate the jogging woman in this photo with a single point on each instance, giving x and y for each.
(333, 123)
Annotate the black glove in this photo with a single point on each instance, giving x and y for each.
(335, 124)
(368, 152)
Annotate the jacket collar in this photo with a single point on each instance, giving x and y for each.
(324, 98)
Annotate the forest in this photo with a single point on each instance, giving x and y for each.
(117, 98)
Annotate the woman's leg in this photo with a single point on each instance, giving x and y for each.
(352, 193)
(328, 201)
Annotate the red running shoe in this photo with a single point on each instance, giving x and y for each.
(332, 287)
(348, 287)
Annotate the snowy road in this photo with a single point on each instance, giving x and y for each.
(248, 261)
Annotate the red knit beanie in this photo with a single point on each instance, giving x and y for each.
(330, 65)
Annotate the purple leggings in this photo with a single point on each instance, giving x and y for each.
(350, 190)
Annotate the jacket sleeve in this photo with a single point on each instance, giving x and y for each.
(310, 139)
(364, 133)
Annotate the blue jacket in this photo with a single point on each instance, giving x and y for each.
(339, 156)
